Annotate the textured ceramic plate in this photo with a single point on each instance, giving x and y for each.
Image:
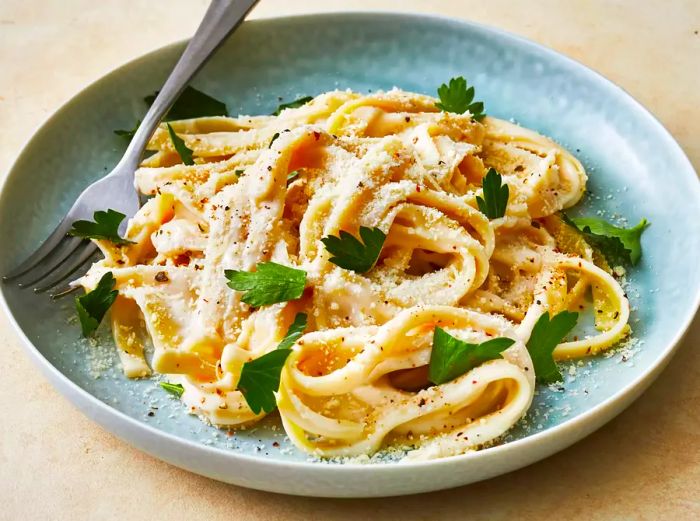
(636, 170)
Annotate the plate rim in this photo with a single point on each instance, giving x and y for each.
(104, 415)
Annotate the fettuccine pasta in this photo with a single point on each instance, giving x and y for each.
(356, 380)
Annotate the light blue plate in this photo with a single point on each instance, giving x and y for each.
(636, 170)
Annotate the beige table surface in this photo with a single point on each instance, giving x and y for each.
(56, 464)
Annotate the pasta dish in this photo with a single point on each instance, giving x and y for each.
(380, 270)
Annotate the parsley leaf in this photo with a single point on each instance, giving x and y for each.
(128, 134)
(618, 245)
(192, 103)
(351, 254)
(175, 389)
(457, 98)
(294, 332)
(260, 378)
(92, 306)
(545, 337)
(269, 284)
(451, 357)
(106, 226)
(182, 150)
(496, 193)
(291, 176)
(292, 105)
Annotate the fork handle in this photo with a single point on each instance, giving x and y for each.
(221, 18)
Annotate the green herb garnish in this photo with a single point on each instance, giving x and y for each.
(349, 253)
(292, 105)
(182, 150)
(456, 97)
(105, 226)
(269, 284)
(128, 134)
(291, 176)
(618, 245)
(496, 193)
(274, 136)
(92, 306)
(545, 337)
(175, 389)
(260, 378)
(451, 357)
(192, 103)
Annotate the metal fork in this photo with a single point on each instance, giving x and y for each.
(60, 255)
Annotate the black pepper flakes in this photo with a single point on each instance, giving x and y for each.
(161, 276)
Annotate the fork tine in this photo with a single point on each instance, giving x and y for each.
(67, 290)
(62, 252)
(43, 251)
(70, 268)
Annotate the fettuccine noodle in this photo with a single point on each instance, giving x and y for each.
(356, 380)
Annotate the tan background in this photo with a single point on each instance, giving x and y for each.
(55, 464)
